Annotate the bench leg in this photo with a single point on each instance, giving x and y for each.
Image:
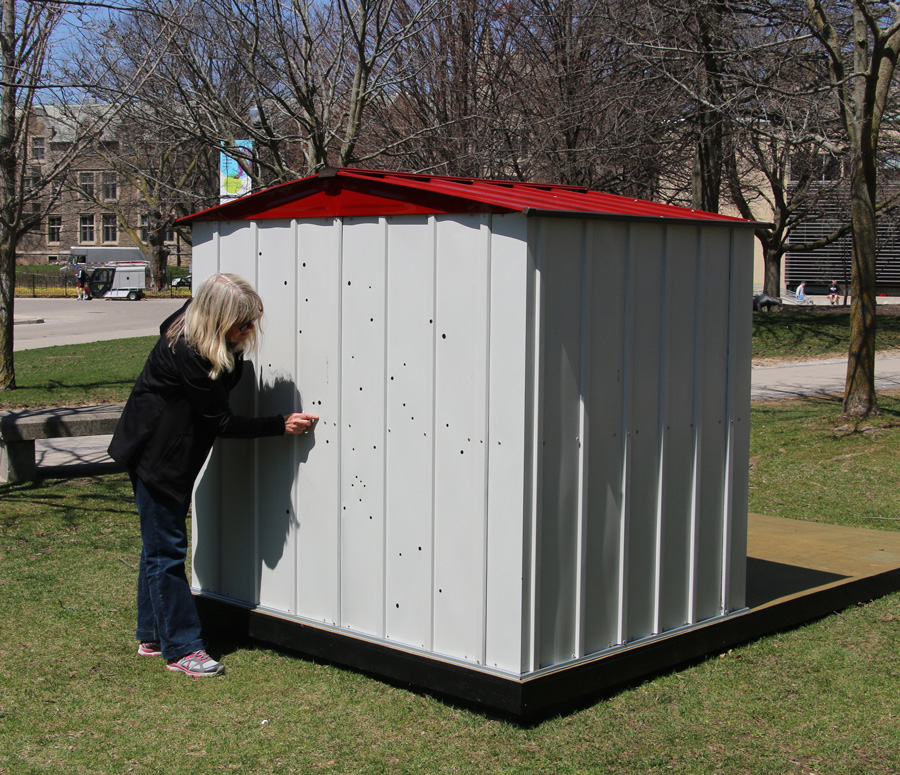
(17, 462)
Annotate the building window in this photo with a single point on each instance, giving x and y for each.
(110, 228)
(86, 228)
(54, 228)
(32, 177)
(37, 148)
(110, 186)
(86, 184)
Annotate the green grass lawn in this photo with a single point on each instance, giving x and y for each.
(807, 462)
(802, 333)
(77, 375)
(75, 697)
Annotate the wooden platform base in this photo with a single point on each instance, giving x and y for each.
(797, 572)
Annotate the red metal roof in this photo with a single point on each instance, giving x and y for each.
(358, 192)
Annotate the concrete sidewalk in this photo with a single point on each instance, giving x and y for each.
(50, 322)
(811, 377)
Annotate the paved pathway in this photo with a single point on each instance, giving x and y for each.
(828, 376)
(47, 322)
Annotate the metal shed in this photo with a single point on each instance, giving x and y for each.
(532, 458)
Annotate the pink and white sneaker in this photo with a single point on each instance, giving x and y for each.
(199, 664)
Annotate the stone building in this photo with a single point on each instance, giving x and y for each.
(95, 204)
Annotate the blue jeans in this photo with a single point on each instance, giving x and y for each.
(165, 605)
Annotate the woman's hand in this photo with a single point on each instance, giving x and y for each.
(300, 423)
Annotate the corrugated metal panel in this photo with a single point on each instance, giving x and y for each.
(533, 436)
(355, 192)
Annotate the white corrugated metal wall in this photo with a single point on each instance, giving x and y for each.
(533, 442)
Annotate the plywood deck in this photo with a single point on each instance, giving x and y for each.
(789, 559)
(797, 571)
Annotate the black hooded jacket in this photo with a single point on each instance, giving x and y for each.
(174, 414)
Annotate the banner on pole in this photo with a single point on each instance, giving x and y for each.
(234, 170)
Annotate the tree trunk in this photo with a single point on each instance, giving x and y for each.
(159, 253)
(860, 399)
(7, 303)
(772, 261)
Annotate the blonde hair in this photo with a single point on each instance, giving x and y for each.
(221, 301)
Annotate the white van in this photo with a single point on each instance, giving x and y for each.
(93, 257)
(119, 281)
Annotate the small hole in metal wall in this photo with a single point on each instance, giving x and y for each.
(348, 282)
(304, 263)
(462, 452)
(371, 320)
(443, 336)
(370, 516)
(420, 548)
(398, 605)
(285, 282)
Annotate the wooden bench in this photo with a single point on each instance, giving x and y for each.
(20, 429)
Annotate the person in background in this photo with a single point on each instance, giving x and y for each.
(801, 291)
(82, 284)
(833, 292)
(177, 408)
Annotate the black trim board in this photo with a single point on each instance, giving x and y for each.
(533, 698)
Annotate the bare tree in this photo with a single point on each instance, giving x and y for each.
(300, 87)
(37, 39)
(170, 172)
(861, 41)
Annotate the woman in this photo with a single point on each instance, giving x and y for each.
(178, 407)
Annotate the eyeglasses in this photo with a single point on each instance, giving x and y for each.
(246, 325)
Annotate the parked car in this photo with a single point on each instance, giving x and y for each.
(182, 282)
